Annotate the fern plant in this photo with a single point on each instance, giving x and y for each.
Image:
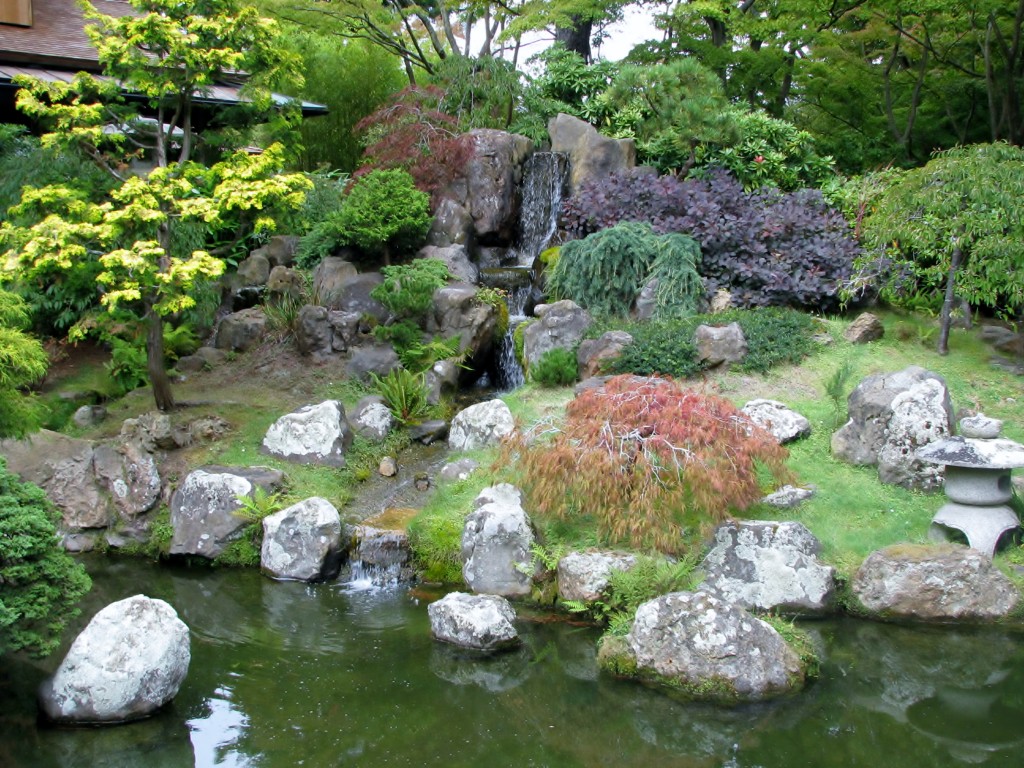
(258, 505)
(405, 395)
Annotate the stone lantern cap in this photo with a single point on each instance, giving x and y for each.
(973, 453)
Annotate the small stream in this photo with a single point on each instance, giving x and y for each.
(289, 674)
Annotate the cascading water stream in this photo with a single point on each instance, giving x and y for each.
(544, 175)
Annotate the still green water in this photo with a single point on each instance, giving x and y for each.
(287, 674)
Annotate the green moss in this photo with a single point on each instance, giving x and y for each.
(615, 657)
(243, 552)
(800, 641)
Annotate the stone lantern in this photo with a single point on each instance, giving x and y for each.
(978, 464)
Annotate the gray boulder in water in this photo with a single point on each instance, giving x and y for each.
(478, 622)
(128, 662)
(711, 650)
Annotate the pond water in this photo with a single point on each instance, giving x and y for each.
(287, 674)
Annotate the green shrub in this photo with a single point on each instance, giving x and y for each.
(22, 362)
(555, 368)
(435, 534)
(408, 289)
(39, 583)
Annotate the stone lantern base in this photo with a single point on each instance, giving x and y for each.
(983, 526)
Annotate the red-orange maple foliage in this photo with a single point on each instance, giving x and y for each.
(643, 456)
(411, 133)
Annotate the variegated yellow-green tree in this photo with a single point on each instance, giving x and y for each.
(166, 57)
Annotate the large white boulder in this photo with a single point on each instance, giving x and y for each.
(784, 424)
(769, 566)
(204, 508)
(940, 584)
(497, 540)
(314, 434)
(711, 649)
(302, 542)
(480, 426)
(128, 662)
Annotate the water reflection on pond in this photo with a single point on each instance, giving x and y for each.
(286, 674)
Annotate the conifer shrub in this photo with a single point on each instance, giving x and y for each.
(40, 585)
(383, 215)
(765, 247)
(645, 461)
(555, 368)
(605, 271)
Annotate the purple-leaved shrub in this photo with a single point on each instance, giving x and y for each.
(767, 248)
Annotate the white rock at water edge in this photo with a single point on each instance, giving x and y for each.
(128, 662)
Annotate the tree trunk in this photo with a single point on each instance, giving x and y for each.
(155, 332)
(155, 361)
(577, 37)
(946, 318)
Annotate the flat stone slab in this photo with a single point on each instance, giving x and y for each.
(972, 452)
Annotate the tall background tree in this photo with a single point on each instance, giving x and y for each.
(166, 56)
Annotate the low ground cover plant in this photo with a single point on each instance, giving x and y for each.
(774, 336)
(645, 461)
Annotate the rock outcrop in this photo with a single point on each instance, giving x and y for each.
(302, 542)
(242, 330)
(720, 344)
(496, 544)
(480, 426)
(314, 434)
(785, 424)
(711, 650)
(558, 326)
(876, 434)
(584, 575)
(769, 566)
(204, 507)
(933, 584)
(592, 157)
(594, 354)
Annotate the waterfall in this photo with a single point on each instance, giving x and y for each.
(379, 559)
(544, 175)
